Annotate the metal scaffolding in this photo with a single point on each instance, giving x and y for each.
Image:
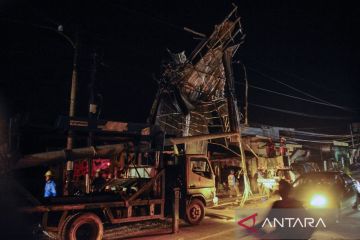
(196, 94)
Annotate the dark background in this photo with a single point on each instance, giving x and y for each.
(310, 45)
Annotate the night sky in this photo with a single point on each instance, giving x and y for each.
(310, 45)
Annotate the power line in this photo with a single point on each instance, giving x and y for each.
(316, 128)
(322, 134)
(297, 90)
(287, 85)
(295, 76)
(300, 113)
(295, 97)
(307, 140)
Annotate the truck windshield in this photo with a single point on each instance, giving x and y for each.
(201, 167)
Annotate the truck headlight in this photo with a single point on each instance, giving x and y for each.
(318, 201)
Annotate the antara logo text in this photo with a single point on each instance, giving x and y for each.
(287, 222)
(293, 222)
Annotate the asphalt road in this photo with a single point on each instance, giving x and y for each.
(221, 223)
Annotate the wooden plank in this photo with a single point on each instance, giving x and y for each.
(144, 188)
(63, 207)
(69, 207)
(136, 219)
(203, 137)
(147, 202)
(34, 209)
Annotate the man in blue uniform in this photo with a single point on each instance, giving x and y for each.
(50, 186)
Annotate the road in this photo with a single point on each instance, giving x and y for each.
(218, 222)
(221, 223)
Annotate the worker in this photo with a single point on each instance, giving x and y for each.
(259, 175)
(233, 184)
(98, 182)
(50, 186)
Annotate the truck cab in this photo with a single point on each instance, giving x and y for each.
(194, 176)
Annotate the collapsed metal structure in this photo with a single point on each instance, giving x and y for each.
(196, 95)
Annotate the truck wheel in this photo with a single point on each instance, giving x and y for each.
(195, 212)
(85, 226)
(65, 225)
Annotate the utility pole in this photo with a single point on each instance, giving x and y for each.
(70, 138)
(246, 104)
(234, 118)
(69, 143)
(246, 96)
(91, 115)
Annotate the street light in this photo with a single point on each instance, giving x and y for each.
(74, 45)
(69, 140)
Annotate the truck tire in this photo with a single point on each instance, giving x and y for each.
(86, 226)
(65, 225)
(195, 212)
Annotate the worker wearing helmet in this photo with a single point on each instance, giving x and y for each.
(50, 186)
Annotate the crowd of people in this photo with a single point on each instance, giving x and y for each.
(232, 181)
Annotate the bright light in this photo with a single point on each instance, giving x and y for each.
(216, 200)
(318, 201)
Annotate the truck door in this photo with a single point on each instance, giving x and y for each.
(200, 176)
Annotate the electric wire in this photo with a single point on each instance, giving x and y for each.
(312, 141)
(294, 97)
(285, 84)
(322, 134)
(302, 79)
(298, 90)
(299, 113)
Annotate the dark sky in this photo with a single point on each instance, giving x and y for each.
(310, 45)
